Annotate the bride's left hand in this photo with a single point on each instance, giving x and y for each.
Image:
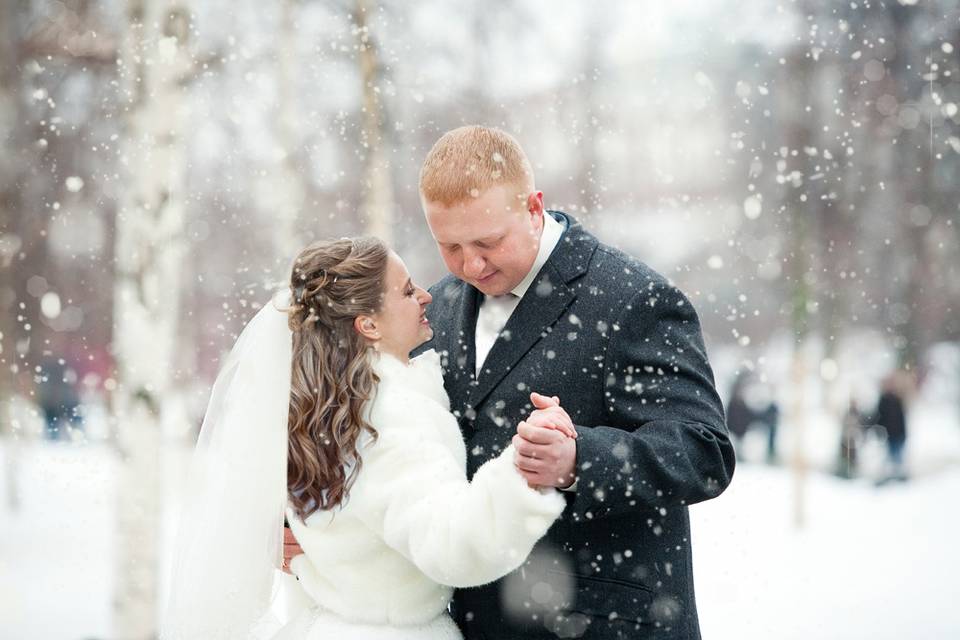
(550, 415)
(291, 549)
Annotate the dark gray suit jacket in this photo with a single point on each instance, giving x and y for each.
(622, 348)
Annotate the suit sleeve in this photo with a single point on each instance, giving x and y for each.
(459, 533)
(666, 441)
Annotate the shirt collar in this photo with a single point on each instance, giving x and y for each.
(549, 237)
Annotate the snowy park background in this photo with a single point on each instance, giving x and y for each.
(791, 165)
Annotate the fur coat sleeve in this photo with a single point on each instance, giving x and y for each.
(413, 491)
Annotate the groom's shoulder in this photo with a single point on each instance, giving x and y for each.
(445, 295)
(619, 271)
(447, 287)
(442, 309)
(605, 263)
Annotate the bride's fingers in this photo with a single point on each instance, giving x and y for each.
(562, 428)
(529, 437)
(550, 416)
(541, 431)
(291, 549)
(541, 401)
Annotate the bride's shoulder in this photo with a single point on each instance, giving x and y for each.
(418, 381)
(428, 365)
(410, 399)
(428, 375)
(428, 359)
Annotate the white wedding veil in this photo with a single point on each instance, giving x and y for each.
(230, 539)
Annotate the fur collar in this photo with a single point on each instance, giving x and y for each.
(422, 375)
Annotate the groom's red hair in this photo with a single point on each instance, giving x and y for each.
(467, 161)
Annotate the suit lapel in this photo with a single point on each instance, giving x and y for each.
(532, 319)
(545, 301)
(463, 352)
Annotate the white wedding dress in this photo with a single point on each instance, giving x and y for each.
(383, 565)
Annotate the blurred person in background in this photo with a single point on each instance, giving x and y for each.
(739, 414)
(751, 403)
(890, 415)
(58, 397)
(851, 430)
(770, 417)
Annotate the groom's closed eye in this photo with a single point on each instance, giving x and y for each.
(489, 243)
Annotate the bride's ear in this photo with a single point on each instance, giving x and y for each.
(366, 326)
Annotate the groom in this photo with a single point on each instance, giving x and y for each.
(535, 302)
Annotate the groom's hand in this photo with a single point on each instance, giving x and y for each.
(545, 444)
(550, 415)
(291, 549)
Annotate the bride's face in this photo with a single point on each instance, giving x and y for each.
(402, 322)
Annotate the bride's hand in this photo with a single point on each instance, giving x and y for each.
(291, 549)
(550, 415)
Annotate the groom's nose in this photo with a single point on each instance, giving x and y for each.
(473, 264)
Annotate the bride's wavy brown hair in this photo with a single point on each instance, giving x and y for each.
(332, 282)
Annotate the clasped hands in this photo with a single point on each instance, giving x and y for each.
(545, 445)
(545, 454)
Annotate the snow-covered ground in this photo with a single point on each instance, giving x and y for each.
(56, 570)
(870, 562)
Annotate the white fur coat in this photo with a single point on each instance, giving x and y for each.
(413, 526)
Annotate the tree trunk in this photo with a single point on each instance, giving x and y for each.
(800, 212)
(9, 241)
(377, 204)
(149, 250)
(284, 190)
(587, 94)
(14, 339)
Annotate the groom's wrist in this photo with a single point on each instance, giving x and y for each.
(571, 469)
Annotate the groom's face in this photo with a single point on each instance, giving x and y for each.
(491, 240)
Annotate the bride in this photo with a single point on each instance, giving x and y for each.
(319, 415)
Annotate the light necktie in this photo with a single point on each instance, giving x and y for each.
(492, 317)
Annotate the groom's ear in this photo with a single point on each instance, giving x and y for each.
(367, 327)
(535, 202)
(536, 211)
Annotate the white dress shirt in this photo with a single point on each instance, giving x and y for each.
(496, 310)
